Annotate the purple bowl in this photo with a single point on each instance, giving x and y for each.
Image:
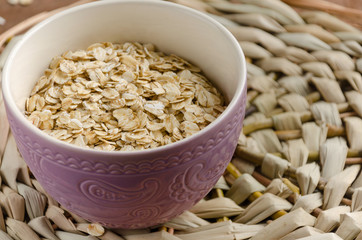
(129, 189)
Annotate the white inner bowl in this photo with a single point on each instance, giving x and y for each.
(174, 29)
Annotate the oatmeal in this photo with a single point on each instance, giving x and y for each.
(122, 97)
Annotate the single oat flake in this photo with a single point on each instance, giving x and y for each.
(122, 97)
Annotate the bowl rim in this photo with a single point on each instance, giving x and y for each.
(19, 115)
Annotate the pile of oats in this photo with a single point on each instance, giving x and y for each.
(122, 97)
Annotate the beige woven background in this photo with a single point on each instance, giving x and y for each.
(16, 14)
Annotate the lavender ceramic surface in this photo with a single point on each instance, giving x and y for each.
(129, 189)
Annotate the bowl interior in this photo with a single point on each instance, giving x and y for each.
(172, 28)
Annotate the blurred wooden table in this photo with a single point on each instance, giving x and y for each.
(17, 13)
(356, 4)
(14, 14)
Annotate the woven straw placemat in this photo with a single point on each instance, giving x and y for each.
(296, 172)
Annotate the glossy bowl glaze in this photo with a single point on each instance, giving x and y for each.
(129, 189)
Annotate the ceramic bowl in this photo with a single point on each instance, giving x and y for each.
(129, 189)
